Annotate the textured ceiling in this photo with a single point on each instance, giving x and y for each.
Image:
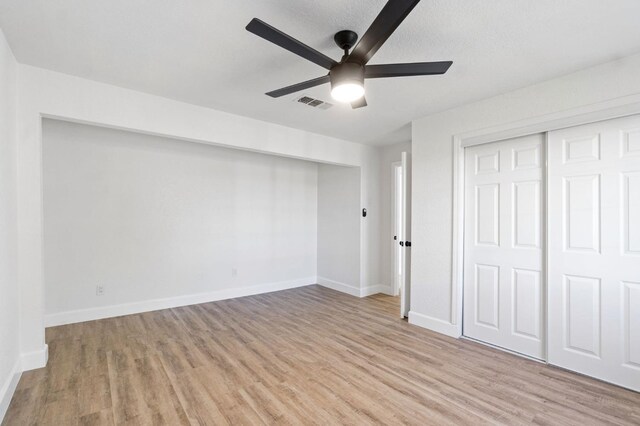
(199, 52)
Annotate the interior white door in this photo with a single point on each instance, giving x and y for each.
(594, 250)
(503, 245)
(398, 217)
(405, 239)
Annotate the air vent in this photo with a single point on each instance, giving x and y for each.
(312, 102)
(306, 99)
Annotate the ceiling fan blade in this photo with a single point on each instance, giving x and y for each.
(390, 17)
(362, 102)
(299, 86)
(275, 36)
(406, 70)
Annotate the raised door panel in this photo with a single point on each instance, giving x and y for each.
(631, 142)
(581, 212)
(527, 214)
(487, 294)
(526, 157)
(582, 314)
(487, 162)
(631, 213)
(631, 319)
(581, 149)
(527, 303)
(487, 214)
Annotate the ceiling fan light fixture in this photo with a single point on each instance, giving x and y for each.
(347, 92)
(347, 82)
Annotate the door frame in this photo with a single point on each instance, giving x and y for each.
(394, 243)
(606, 110)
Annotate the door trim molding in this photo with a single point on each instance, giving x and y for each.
(600, 111)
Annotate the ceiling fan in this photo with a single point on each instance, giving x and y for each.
(347, 76)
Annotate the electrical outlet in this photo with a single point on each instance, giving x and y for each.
(234, 272)
(99, 290)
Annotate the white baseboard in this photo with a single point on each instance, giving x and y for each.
(434, 324)
(389, 291)
(9, 388)
(90, 314)
(353, 290)
(26, 361)
(35, 359)
(338, 286)
(374, 289)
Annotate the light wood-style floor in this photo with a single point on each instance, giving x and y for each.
(304, 356)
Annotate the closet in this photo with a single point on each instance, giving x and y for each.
(552, 247)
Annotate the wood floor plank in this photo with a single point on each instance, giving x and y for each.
(303, 356)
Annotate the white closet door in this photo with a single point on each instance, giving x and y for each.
(503, 244)
(594, 250)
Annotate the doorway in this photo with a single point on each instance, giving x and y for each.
(401, 180)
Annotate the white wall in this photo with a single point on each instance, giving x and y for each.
(9, 317)
(388, 155)
(370, 278)
(51, 94)
(339, 224)
(155, 218)
(614, 86)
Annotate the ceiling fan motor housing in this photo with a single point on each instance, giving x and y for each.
(345, 39)
(347, 72)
